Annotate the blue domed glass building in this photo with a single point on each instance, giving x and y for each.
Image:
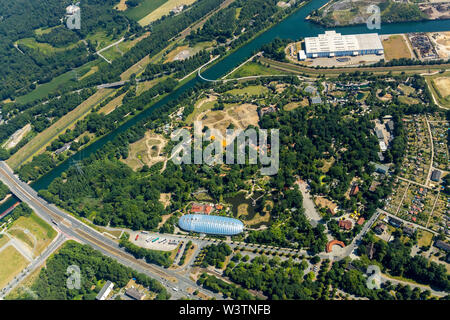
(218, 225)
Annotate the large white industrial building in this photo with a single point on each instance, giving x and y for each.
(331, 44)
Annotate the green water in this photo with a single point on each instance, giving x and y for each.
(294, 27)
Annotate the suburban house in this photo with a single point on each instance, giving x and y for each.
(134, 294)
(408, 230)
(354, 191)
(360, 221)
(395, 222)
(380, 228)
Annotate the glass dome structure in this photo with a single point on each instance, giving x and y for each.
(218, 225)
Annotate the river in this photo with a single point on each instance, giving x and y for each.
(293, 27)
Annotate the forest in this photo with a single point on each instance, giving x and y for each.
(94, 266)
(285, 279)
(395, 258)
(215, 255)
(4, 190)
(23, 66)
(228, 290)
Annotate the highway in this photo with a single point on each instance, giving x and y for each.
(77, 230)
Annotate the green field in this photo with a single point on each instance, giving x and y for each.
(112, 53)
(4, 240)
(146, 7)
(408, 100)
(42, 31)
(12, 264)
(250, 90)
(56, 84)
(437, 91)
(101, 39)
(45, 48)
(253, 69)
(40, 231)
(425, 238)
(206, 106)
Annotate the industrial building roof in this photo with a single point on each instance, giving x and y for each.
(210, 224)
(105, 290)
(331, 41)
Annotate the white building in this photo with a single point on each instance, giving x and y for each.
(103, 294)
(331, 44)
(301, 55)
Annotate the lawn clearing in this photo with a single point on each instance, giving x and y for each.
(147, 151)
(4, 240)
(112, 53)
(42, 232)
(395, 47)
(253, 69)
(407, 90)
(240, 116)
(112, 105)
(12, 264)
(43, 47)
(291, 106)
(44, 138)
(408, 100)
(249, 90)
(43, 90)
(424, 239)
(443, 86)
(101, 39)
(143, 9)
(439, 88)
(22, 236)
(162, 10)
(201, 106)
(141, 87)
(58, 82)
(121, 6)
(91, 71)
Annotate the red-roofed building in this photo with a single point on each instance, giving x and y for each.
(345, 224)
(360, 221)
(201, 208)
(354, 191)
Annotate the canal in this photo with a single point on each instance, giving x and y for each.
(293, 27)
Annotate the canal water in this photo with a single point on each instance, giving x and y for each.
(293, 27)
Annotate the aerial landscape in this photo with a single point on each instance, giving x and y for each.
(225, 150)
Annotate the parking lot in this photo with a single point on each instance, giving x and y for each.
(153, 241)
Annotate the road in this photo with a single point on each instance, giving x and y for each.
(350, 248)
(298, 69)
(99, 52)
(432, 152)
(81, 232)
(418, 226)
